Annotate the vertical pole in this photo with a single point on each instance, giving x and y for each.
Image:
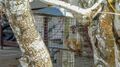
(59, 58)
(46, 30)
(1, 41)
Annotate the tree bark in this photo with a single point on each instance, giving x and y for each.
(35, 53)
(74, 9)
(117, 33)
(103, 40)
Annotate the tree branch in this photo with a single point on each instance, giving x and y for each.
(73, 8)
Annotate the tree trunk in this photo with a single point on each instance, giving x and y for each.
(103, 41)
(117, 33)
(35, 53)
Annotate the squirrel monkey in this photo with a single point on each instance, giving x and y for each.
(73, 41)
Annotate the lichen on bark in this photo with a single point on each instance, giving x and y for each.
(35, 53)
(103, 41)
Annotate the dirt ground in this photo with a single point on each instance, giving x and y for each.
(8, 57)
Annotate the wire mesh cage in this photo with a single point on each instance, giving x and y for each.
(62, 37)
(66, 41)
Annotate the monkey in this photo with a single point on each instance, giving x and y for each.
(73, 40)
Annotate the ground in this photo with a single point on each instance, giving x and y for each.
(8, 57)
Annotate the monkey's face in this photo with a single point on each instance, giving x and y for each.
(73, 29)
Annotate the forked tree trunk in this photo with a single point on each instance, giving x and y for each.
(35, 53)
(103, 41)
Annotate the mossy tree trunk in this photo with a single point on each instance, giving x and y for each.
(35, 53)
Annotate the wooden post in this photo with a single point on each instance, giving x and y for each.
(1, 39)
(46, 30)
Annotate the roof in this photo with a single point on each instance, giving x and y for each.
(37, 4)
(54, 11)
(49, 11)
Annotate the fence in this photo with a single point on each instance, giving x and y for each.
(59, 34)
(56, 31)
